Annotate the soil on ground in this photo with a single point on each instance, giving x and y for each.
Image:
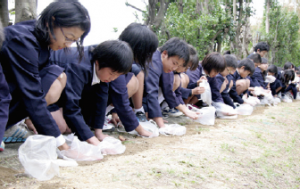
(257, 151)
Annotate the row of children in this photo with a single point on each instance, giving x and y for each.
(53, 89)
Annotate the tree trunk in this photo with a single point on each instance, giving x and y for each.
(25, 10)
(237, 42)
(234, 11)
(180, 6)
(4, 14)
(267, 16)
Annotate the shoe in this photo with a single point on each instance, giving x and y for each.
(193, 108)
(2, 146)
(141, 116)
(17, 133)
(201, 104)
(173, 112)
(108, 126)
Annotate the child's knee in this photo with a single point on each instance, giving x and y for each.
(132, 86)
(56, 88)
(62, 79)
(184, 80)
(176, 83)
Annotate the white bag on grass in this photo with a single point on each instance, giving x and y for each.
(111, 145)
(79, 150)
(252, 100)
(277, 100)
(287, 99)
(244, 109)
(39, 158)
(206, 96)
(148, 126)
(225, 111)
(207, 116)
(173, 129)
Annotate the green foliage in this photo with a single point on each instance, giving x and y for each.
(283, 36)
(198, 30)
(203, 28)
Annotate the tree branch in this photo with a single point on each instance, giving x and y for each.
(134, 7)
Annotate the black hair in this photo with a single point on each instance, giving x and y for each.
(255, 57)
(273, 69)
(114, 54)
(264, 60)
(213, 61)
(262, 46)
(143, 42)
(297, 68)
(226, 52)
(63, 13)
(248, 65)
(194, 59)
(2, 37)
(230, 60)
(288, 65)
(287, 75)
(177, 47)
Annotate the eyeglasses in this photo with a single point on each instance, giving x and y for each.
(68, 40)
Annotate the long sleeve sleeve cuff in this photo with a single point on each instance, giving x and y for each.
(60, 140)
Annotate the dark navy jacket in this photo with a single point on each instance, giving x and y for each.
(173, 98)
(225, 93)
(23, 55)
(196, 75)
(119, 96)
(155, 79)
(253, 81)
(79, 88)
(275, 85)
(233, 94)
(5, 99)
(258, 75)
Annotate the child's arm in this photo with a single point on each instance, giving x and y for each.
(150, 101)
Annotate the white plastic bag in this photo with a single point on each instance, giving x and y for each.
(287, 99)
(252, 100)
(173, 129)
(207, 116)
(277, 100)
(79, 150)
(148, 126)
(224, 111)
(112, 146)
(39, 159)
(270, 79)
(206, 96)
(244, 109)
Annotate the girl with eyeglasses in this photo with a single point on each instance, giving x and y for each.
(33, 82)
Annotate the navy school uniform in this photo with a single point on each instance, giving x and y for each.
(225, 93)
(173, 98)
(232, 93)
(196, 75)
(274, 86)
(118, 95)
(155, 79)
(83, 100)
(5, 99)
(24, 58)
(258, 75)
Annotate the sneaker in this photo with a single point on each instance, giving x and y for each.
(201, 104)
(17, 133)
(193, 108)
(2, 146)
(173, 112)
(141, 116)
(108, 126)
